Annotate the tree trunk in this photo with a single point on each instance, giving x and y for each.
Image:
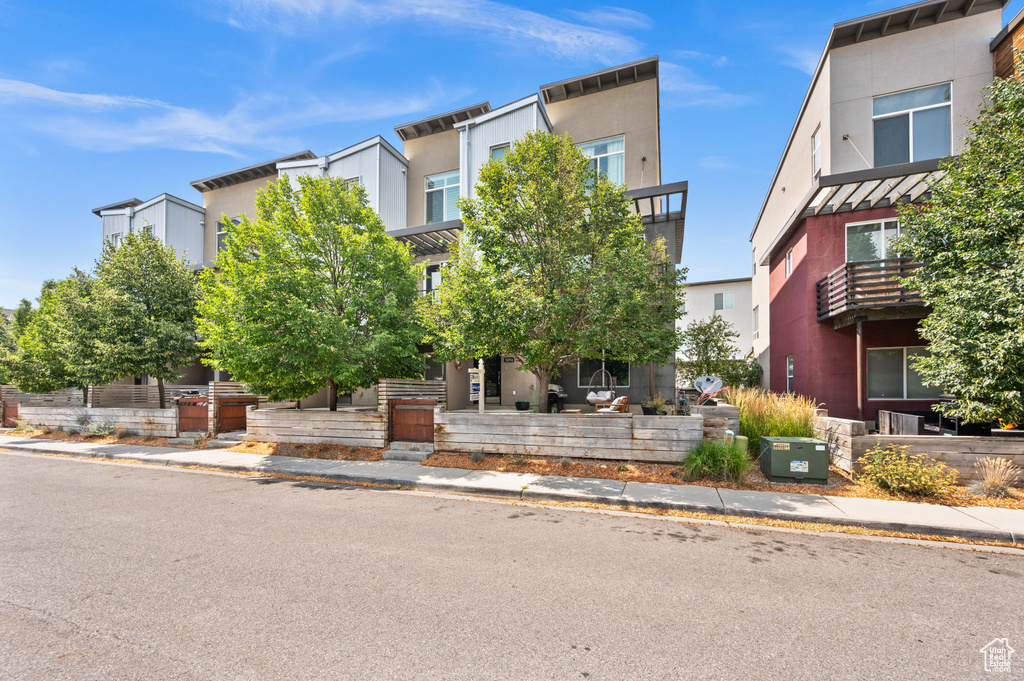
(332, 392)
(160, 392)
(542, 375)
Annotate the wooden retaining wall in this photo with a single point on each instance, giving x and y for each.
(352, 428)
(718, 419)
(839, 434)
(616, 437)
(155, 422)
(394, 389)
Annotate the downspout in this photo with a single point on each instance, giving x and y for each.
(860, 369)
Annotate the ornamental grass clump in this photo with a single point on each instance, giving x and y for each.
(716, 461)
(894, 470)
(767, 414)
(995, 477)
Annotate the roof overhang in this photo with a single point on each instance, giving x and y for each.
(253, 172)
(655, 204)
(429, 239)
(127, 203)
(1005, 32)
(616, 76)
(531, 100)
(860, 190)
(441, 122)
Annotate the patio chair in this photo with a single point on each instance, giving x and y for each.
(620, 405)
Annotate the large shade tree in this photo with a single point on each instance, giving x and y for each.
(552, 267)
(148, 301)
(969, 238)
(312, 292)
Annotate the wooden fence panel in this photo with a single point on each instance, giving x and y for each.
(352, 428)
(393, 389)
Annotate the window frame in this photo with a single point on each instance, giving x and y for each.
(789, 262)
(504, 145)
(428, 286)
(910, 122)
(114, 239)
(816, 152)
(579, 364)
(593, 159)
(457, 185)
(790, 372)
(906, 375)
(882, 222)
(731, 301)
(235, 221)
(757, 321)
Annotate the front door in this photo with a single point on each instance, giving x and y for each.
(492, 379)
(412, 420)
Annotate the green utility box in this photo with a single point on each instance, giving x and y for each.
(794, 459)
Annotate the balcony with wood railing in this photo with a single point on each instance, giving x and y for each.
(860, 288)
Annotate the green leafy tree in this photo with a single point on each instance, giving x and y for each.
(708, 346)
(60, 345)
(553, 266)
(148, 302)
(311, 293)
(21, 318)
(969, 238)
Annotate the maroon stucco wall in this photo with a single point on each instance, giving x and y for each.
(825, 363)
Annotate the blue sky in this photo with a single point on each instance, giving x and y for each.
(104, 101)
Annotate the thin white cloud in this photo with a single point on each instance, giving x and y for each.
(489, 19)
(681, 87)
(714, 60)
(103, 122)
(613, 17)
(803, 58)
(716, 163)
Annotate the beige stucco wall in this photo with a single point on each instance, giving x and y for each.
(233, 201)
(631, 111)
(437, 153)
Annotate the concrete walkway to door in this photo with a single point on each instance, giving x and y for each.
(975, 522)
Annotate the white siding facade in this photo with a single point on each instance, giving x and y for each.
(173, 221)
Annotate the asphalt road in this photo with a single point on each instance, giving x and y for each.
(117, 572)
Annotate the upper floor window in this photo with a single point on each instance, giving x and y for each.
(433, 278)
(442, 193)
(757, 322)
(789, 262)
(498, 152)
(115, 240)
(723, 301)
(222, 232)
(790, 373)
(913, 125)
(608, 157)
(816, 153)
(871, 240)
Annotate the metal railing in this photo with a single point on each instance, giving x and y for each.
(865, 285)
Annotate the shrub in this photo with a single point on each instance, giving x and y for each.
(477, 457)
(565, 462)
(101, 429)
(21, 426)
(995, 477)
(515, 459)
(127, 432)
(893, 469)
(716, 461)
(767, 414)
(83, 419)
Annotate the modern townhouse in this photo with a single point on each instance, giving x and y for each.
(887, 102)
(613, 115)
(730, 300)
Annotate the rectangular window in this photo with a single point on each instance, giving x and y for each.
(608, 157)
(789, 373)
(723, 301)
(757, 321)
(433, 278)
(587, 372)
(498, 152)
(913, 126)
(789, 262)
(871, 240)
(816, 153)
(891, 375)
(115, 240)
(442, 192)
(222, 232)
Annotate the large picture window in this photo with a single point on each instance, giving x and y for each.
(891, 375)
(608, 157)
(871, 240)
(619, 371)
(913, 126)
(442, 193)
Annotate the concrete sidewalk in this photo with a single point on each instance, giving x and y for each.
(978, 523)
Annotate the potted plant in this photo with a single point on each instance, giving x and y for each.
(522, 405)
(655, 406)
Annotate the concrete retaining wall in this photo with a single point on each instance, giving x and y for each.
(615, 437)
(154, 422)
(352, 428)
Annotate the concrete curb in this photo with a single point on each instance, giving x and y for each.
(178, 458)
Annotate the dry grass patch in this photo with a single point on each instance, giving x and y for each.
(839, 484)
(71, 436)
(318, 451)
